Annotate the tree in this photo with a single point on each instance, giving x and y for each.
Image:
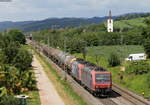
(114, 59)
(146, 37)
(10, 78)
(3, 58)
(16, 35)
(147, 47)
(22, 60)
(16, 81)
(29, 80)
(15, 61)
(84, 52)
(9, 100)
(10, 49)
(147, 21)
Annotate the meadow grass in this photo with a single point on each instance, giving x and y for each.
(34, 98)
(122, 50)
(129, 23)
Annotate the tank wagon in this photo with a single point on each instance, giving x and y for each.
(96, 79)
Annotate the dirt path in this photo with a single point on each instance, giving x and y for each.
(48, 94)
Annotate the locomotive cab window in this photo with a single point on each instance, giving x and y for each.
(102, 78)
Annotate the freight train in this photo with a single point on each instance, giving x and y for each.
(96, 79)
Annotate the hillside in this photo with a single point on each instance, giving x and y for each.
(122, 21)
(9, 24)
(50, 23)
(132, 16)
(129, 23)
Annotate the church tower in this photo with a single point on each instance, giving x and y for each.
(110, 23)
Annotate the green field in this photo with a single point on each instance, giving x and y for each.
(129, 23)
(135, 83)
(122, 51)
(102, 53)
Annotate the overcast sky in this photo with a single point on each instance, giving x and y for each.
(21, 10)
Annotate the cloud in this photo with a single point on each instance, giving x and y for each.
(41, 9)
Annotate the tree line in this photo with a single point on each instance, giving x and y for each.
(15, 64)
(86, 36)
(132, 16)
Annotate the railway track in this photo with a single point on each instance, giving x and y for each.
(128, 97)
(107, 101)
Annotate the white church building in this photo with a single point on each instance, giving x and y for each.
(110, 23)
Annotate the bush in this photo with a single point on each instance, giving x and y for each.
(11, 79)
(9, 100)
(138, 67)
(29, 81)
(3, 58)
(114, 59)
(148, 79)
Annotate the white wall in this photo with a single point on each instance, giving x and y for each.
(110, 25)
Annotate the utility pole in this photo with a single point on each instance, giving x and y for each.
(51, 41)
(65, 57)
(122, 49)
(48, 42)
(84, 52)
(121, 40)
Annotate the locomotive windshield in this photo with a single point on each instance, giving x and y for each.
(102, 78)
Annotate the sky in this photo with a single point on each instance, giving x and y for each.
(24, 10)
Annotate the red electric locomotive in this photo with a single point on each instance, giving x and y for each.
(96, 79)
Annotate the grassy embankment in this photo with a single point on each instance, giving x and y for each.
(34, 98)
(64, 89)
(136, 83)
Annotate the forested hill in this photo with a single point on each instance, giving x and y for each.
(9, 24)
(61, 23)
(50, 23)
(132, 16)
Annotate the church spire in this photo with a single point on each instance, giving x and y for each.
(110, 23)
(110, 16)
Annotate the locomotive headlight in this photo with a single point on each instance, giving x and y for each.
(97, 86)
(108, 86)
